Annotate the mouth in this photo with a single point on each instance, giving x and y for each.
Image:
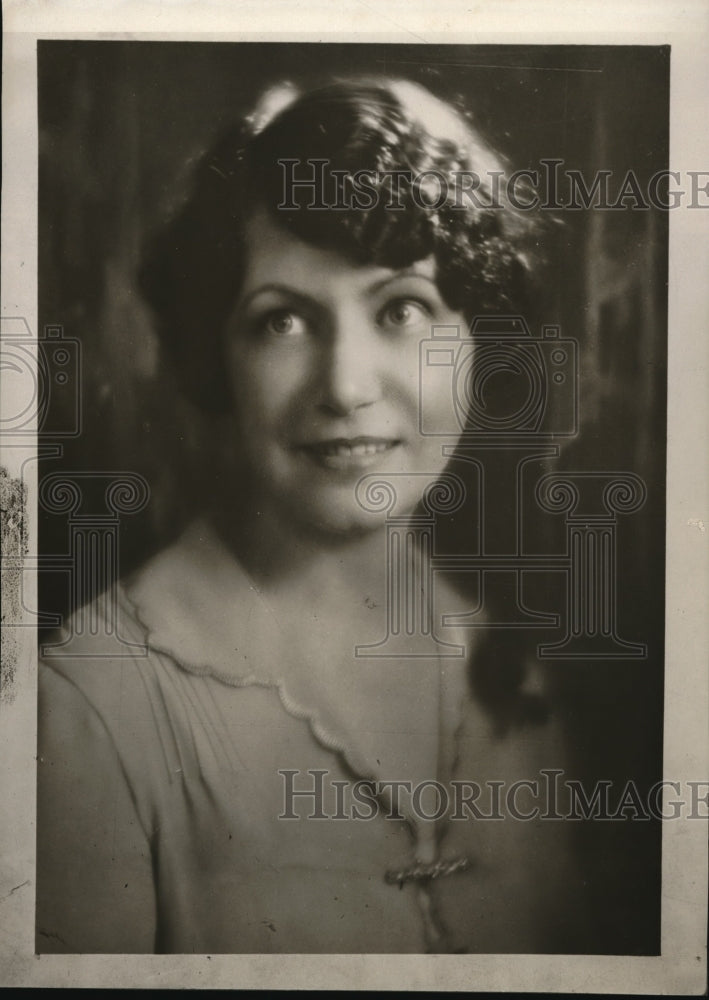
(349, 454)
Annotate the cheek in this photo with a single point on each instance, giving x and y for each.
(402, 377)
(446, 383)
(264, 392)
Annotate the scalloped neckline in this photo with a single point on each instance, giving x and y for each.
(185, 599)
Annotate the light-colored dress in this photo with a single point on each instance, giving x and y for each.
(170, 817)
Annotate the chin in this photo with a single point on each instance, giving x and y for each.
(338, 515)
(340, 523)
(335, 510)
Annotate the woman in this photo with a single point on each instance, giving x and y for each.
(257, 782)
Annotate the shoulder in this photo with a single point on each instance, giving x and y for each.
(132, 665)
(103, 720)
(112, 639)
(102, 686)
(101, 646)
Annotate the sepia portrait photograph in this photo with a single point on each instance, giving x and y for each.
(339, 536)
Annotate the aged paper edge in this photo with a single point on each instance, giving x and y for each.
(681, 969)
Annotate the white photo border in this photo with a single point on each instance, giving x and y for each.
(681, 968)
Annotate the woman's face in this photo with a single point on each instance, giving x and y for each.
(324, 365)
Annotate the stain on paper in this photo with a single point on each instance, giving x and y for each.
(13, 549)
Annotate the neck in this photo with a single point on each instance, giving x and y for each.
(280, 554)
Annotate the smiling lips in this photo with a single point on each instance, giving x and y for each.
(349, 454)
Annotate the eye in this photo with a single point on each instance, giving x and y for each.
(282, 323)
(403, 313)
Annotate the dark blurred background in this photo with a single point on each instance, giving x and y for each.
(121, 123)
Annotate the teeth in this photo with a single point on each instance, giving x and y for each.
(355, 450)
(342, 455)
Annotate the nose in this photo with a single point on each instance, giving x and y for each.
(349, 373)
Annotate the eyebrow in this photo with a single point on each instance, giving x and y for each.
(294, 293)
(273, 287)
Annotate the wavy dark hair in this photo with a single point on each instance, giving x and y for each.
(488, 252)
(486, 257)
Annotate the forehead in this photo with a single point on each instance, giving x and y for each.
(273, 253)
